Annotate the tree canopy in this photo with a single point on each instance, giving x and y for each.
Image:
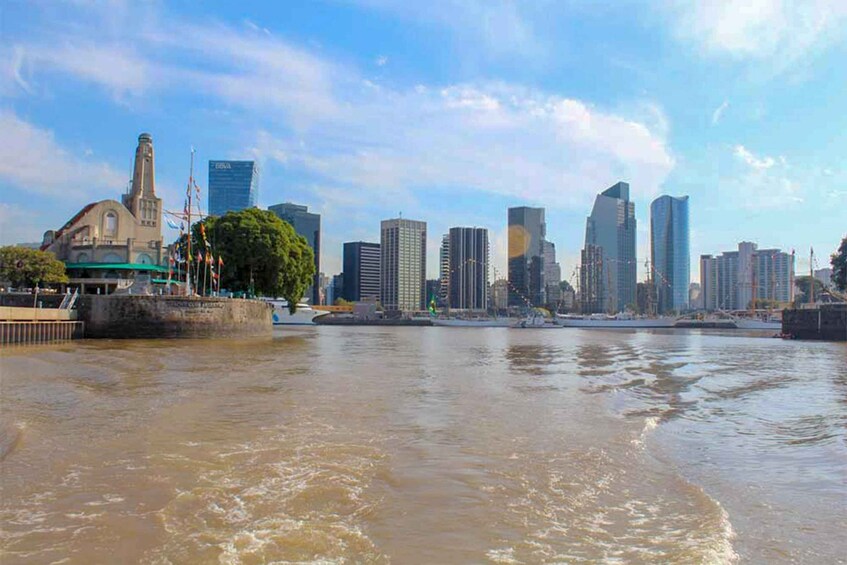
(23, 266)
(261, 254)
(803, 284)
(839, 266)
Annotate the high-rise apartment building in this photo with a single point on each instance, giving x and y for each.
(670, 256)
(308, 225)
(611, 227)
(361, 271)
(403, 264)
(468, 268)
(733, 280)
(527, 230)
(233, 186)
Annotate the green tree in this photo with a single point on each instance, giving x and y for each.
(23, 266)
(261, 254)
(566, 286)
(342, 302)
(803, 284)
(839, 266)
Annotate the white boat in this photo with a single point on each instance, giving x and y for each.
(536, 320)
(304, 316)
(622, 320)
(473, 322)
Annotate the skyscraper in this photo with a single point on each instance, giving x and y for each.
(403, 264)
(444, 270)
(527, 230)
(468, 268)
(233, 186)
(552, 274)
(308, 225)
(361, 271)
(734, 280)
(670, 256)
(611, 227)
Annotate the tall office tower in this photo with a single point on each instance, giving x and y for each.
(233, 186)
(361, 271)
(611, 226)
(592, 295)
(670, 256)
(403, 265)
(552, 274)
(308, 225)
(468, 268)
(735, 279)
(444, 270)
(499, 294)
(527, 230)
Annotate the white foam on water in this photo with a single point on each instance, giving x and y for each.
(650, 424)
(502, 555)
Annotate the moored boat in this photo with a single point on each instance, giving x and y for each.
(622, 320)
(304, 316)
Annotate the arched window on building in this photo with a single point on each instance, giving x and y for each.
(144, 259)
(110, 224)
(82, 258)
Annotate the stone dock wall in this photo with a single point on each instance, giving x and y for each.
(132, 316)
(827, 322)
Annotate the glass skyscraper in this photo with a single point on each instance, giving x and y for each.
(468, 252)
(361, 271)
(670, 253)
(527, 230)
(233, 186)
(309, 226)
(609, 255)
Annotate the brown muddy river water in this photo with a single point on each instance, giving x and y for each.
(426, 445)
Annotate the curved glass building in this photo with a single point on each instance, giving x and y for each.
(670, 254)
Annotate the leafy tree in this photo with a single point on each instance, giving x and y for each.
(23, 266)
(261, 254)
(342, 302)
(566, 286)
(839, 266)
(803, 285)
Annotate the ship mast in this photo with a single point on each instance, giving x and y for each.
(188, 220)
(811, 275)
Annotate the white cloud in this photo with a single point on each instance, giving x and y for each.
(784, 30)
(748, 157)
(381, 61)
(763, 182)
(718, 113)
(37, 164)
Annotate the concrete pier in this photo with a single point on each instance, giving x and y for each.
(130, 316)
(826, 322)
(39, 332)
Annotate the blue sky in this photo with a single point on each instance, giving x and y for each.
(448, 111)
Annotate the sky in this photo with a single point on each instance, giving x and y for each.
(447, 111)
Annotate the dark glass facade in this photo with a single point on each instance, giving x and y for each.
(611, 227)
(361, 271)
(527, 230)
(669, 253)
(309, 226)
(233, 186)
(468, 252)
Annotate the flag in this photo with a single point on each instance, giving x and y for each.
(220, 261)
(172, 224)
(199, 257)
(209, 259)
(432, 306)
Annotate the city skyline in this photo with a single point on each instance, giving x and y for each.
(726, 146)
